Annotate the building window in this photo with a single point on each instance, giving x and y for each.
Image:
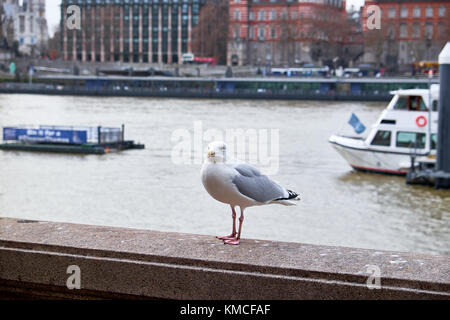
(429, 12)
(22, 24)
(273, 15)
(261, 15)
(251, 32)
(391, 32)
(237, 15)
(416, 30)
(382, 138)
(404, 13)
(416, 12)
(237, 31)
(273, 33)
(403, 30)
(429, 30)
(410, 140)
(441, 11)
(392, 12)
(251, 16)
(294, 15)
(261, 33)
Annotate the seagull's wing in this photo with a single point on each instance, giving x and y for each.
(251, 183)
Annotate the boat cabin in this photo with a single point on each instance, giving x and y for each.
(404, 126)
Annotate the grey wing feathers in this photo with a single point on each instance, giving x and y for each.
(247, 170)
(251, 183)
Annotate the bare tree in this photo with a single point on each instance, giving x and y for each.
(287, 26)
(54, 44)
(210, 35)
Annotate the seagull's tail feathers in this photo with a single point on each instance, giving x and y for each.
(289, 200)
(284, 202)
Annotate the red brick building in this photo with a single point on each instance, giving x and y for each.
(411, 31)
(286, 32)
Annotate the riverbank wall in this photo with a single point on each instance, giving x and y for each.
(46, 260)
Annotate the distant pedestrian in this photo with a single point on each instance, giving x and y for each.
(12, 67)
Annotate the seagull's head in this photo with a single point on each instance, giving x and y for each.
(217, 151)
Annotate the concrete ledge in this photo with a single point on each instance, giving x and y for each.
(129, 263)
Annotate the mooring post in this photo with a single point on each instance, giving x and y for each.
(99, 135)
(443, 143)
(123, 132)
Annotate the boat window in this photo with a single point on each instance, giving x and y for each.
(410, 140)
(417, 104)
(435, 105)
(382, 138)
(433, 141)
(412, 103)
(401, 104)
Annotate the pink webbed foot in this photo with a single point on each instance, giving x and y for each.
(232, 241)
(226, 237)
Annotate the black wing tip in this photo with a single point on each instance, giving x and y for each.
(292, 195)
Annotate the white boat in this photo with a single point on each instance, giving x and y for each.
(403, 129)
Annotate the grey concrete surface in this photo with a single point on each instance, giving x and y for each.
(130, 263)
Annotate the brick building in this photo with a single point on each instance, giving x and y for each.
(286, 32)
(157, 31)
(411, 31)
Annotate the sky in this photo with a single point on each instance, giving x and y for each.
(53, 14)
(52, 11)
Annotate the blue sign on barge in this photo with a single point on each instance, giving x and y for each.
(67, 139)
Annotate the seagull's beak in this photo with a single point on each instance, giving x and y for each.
(211, 154)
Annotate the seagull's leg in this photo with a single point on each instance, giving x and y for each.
(233, 233)
(238, 238)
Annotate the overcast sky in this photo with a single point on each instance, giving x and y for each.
(52, 10)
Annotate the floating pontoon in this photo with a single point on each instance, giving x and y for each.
(67, 139)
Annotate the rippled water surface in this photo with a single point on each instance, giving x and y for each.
(145, 189)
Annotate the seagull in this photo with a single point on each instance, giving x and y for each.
(239, 184)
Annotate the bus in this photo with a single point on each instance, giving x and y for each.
(306, 71)
(192, 59)
(424, 67)
(187, 58)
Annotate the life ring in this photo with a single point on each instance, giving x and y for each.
(421, 121)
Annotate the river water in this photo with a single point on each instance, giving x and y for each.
(147, 189)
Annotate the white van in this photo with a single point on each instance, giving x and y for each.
(187, 58)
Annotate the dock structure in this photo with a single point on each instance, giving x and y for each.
(443, 144)
(67, 139)
(440, 175)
